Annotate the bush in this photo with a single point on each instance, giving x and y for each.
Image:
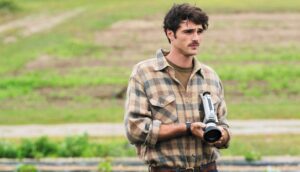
(7, 150)
(105, 166)
(26, 149)
(74, 146)
(27, 168)
(44, 147)
(252, 156)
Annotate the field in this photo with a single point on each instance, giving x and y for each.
(69, 62)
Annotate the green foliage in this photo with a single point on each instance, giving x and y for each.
(8, 6)
(69, 48)
(252, 156)
(26, 168)
(52, 113)
(27, 149)
(45, 147)
(256, 69)
(252, 147)
(7, 150)
(74, 146)
(13, 86)
(255, 146)
(105, 166)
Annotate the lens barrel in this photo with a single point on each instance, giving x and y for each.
(212, 134)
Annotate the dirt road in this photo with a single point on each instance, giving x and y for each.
(238, 127)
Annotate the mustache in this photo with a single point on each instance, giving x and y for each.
(194, 43)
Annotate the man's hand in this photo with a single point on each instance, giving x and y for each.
(223, 138)
(197, 129)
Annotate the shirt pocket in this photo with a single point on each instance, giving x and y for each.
(163, 108)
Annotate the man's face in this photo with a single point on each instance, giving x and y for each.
(187, 39)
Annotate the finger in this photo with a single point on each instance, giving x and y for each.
(202, 125)
(199, 125)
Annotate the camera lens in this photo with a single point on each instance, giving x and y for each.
(212, 134)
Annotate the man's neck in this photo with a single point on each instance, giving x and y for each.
(180, 59)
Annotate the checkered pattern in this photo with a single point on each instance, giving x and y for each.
(155, 97)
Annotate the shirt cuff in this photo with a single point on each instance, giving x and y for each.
(154, 131)
(226, 144)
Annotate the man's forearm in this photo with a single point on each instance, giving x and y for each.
(168, 131)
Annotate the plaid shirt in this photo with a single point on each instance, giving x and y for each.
(155, 97)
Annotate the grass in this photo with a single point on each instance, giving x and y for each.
(264, 111)
(275, 78)
(253, 71)
(61, 106)
(13, 86)
(58, 108)
(267, 145)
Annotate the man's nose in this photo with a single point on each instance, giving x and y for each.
(196, 36)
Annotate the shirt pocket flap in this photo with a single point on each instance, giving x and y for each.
(162, 101)
(214, 98)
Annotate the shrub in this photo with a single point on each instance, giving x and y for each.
(7, 150)
(74, 146)
(252, 156)
(105, 166)
(44, 147)
(26, 149)
(26, 168)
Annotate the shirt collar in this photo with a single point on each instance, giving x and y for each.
(161, 60)
(198, 68)
(162, 63)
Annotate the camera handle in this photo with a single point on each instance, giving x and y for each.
(211, 132)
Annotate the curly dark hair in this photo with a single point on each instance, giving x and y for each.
(185, 11)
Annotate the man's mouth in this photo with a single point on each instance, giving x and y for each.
(194, 45)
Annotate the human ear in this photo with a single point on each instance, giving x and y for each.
(170, 35)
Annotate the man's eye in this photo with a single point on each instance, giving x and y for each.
(200, 31)
(188, 31)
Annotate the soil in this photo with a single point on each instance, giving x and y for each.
(30, 25)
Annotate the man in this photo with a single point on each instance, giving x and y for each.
(164, 109)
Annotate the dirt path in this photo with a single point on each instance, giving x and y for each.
(36, 23)
(238, 127)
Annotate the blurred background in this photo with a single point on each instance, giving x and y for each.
(68, 62)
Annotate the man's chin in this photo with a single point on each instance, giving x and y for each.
(192, 53)
(189, 52)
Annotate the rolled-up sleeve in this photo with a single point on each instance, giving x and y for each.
(139, 124)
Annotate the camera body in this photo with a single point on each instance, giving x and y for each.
(211, 132)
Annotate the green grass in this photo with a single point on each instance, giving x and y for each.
(62, 106)
(61, 115)
(269, 110)
(251, 70)
(12, 86)
(262, 79)
(58, 108)
(213, 6)
(266, 145)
